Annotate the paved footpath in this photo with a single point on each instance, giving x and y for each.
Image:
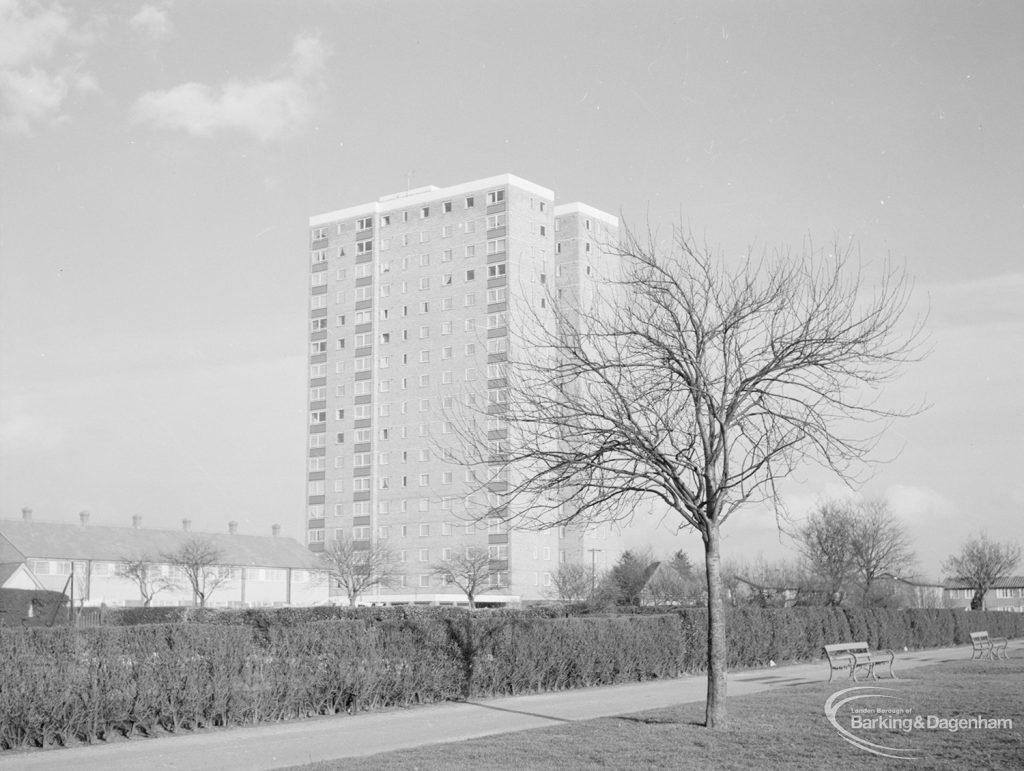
(279, 745)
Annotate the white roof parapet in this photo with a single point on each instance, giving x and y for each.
(578, 207)
(429, 193)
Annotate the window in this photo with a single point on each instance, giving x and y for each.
(446, 231)
(317, 416)
(364, 270)
(497, 269)
(363, 435)
(315, 535)
(424, 236)
(364, 224)
(496, 370)
(495, 196)
(446, 207)
(446, 326)
(316, 487)
(339, 321)
(318, 394)
(364, 247)
(361, 411)
(361, 460)
(424, 380)
(320, 346)
(497, 345)
(424, 282)
(319, 234)
(424, 260)
(497, 552)
(317, 324)
(470, 250)
(385, 220)
(495, 221)
(543, 230)
(317, 440)
(424, 212)
(470, 201)
(496, 295)
(319, 255)
(425, 307)
(361, 533)
(318, 301)
(424, 357)
(470, 299)
(470, 275)
(424, 530)
(364, 364)
(383, 532)
(496, 246)
(496, 320)
(424, 581)
(363, 293)
(316, 511)
(446, 255)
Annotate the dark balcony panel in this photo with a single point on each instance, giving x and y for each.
(366, 350)
(318, 313)
(318, 405)
(364, 281)
(360, 521)
(315, 499)
(317, 381)
(364, 399)
(497, 307)
(496, 208)
(361, 258)
(363, 376)
(318, 428)
(362, 496)
(494, 283)
(364, 305)
(365, 471)
(361, 447)
(497, 232)
(498, 538)
(318, 358)
(363, 328)
(322, 289)
(317, 452)
(497, 332)
(362, 423)
(497, 257)
(320, 334)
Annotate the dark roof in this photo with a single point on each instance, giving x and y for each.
(52, 540)
(1011, 582)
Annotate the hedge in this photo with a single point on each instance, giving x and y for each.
(59, 686)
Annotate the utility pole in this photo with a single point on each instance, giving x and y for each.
(593, 571)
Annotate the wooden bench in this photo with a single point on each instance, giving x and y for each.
(854, 655)
(981, 644)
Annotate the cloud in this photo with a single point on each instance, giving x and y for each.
(33, 88)
(267, 109)
(151, 21)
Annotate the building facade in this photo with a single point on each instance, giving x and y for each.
(85, 562)
(414, 302)
(1007, 594)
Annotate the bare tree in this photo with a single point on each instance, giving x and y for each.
(146, 575)
(697, 385)
(826, 543)
(572, 582)
(880, 547)
(473, 571)
(201, 562)
(981, 564)
(356, 566)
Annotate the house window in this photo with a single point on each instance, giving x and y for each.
(497, 270)
(319, 234)
(364, 224)
(424, 212)
(446, 207)
(315, 535)
(496, 246)
(496, 221)
(364, 247)
(495, 196)
(470, 202)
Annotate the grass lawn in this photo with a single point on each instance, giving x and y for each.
(782, 728)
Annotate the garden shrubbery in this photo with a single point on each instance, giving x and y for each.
(235, 667)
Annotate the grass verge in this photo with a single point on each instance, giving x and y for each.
(782, 728)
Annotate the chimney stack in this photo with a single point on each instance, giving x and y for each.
(186, 525)
(84, 516)
(232, 527)
(26, 514)
(276, 530)
(136, 521)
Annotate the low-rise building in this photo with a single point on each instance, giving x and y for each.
(87, 562)
(1007, 594)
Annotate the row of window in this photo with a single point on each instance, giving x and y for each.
(318, 440)
(446, 207)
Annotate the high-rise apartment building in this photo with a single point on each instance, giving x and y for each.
(411, 303)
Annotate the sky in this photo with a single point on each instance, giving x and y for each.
(160, 163)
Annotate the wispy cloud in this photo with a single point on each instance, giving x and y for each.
(267, 109)
(151, 20)
(34, 83)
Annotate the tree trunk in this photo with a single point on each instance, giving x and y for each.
(715, 711)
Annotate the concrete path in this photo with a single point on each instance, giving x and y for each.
(274, 746)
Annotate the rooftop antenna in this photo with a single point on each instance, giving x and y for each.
(408, 181)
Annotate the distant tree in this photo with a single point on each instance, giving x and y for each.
(572, 582)
(201, 562)
(826, 543)
(981, 564)
(880, 548)
(630, 574)
(473, 571)
(356, 566)
(146, 575)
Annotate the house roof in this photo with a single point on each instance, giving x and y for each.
(10, 569)
(1011, 582)
(53, 540)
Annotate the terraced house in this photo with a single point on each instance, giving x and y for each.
(414, 304)
(87, 561)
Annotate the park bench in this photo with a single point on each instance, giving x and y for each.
(981, 644)
(857, 654)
